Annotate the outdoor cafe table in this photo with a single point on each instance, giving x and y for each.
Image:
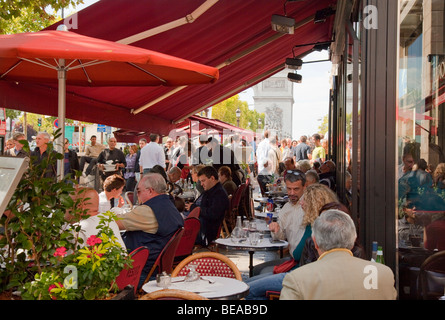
(279, 200)
(263, 215)
(187, 196)
(211, 287)
(266, 244)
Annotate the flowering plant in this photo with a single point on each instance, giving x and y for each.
(87, 273)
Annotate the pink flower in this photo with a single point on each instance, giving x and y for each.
(93, 240)
(60, 252)
(53, 286)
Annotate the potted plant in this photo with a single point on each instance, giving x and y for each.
(87, 273)
(38, 243)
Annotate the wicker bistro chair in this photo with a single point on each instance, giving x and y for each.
(432, 276)
(129, 198)
(209, 264)
(172, 294)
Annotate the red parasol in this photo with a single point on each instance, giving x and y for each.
(69, 58)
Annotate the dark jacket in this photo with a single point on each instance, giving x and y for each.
(116, 155)
(74, 163)
(329, 180)
(37, 158)
(169, 221)
(223, 156)
(213, 204)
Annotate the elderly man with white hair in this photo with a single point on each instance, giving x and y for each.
(153, 222)
(337, 274)
(41, 152)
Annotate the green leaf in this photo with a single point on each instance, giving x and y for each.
(27, 245)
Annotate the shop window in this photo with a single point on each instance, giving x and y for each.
(420, 129)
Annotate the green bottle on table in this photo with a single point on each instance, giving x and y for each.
(379, 257)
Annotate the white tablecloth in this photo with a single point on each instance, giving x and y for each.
(222, 288)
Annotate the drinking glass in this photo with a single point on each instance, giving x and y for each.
(193, 275)
(254, 238)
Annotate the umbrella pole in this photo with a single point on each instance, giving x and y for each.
(61, 74)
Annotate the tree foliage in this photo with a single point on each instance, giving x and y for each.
(226, 111)
(30, 15)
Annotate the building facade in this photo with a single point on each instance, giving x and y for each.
(275, 98)
(389, 85)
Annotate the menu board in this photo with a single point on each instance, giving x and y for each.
(11, 171)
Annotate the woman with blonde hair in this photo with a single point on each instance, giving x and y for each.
(314, 198)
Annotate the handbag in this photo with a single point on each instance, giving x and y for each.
(285, 266)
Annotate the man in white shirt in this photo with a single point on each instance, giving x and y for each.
(289, 226)
(91, 153)
(152, 154)
(262, 151)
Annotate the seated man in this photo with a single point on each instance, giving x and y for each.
(213, 203)
(174, 175)
(91, 153)
(225, 177)
(337, 274)
(89, 225)
(327, 174)
(152, 223)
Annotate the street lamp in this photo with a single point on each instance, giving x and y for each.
(238, 115)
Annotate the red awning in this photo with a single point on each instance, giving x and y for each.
(200, 125)
(234, 36)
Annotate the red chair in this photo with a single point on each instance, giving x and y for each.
(187, 243)
(131, 276)
(164, 262)
(230, 217)
(195, 213)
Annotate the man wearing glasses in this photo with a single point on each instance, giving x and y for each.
(290, 220)
(289, 224)
(153, 223)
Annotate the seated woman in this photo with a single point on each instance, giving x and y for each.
(314, 198)
(310, 254)
(225, 178)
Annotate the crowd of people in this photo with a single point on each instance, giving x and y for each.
(317, 226)
(421, 191)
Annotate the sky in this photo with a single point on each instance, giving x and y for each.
(311, 96)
